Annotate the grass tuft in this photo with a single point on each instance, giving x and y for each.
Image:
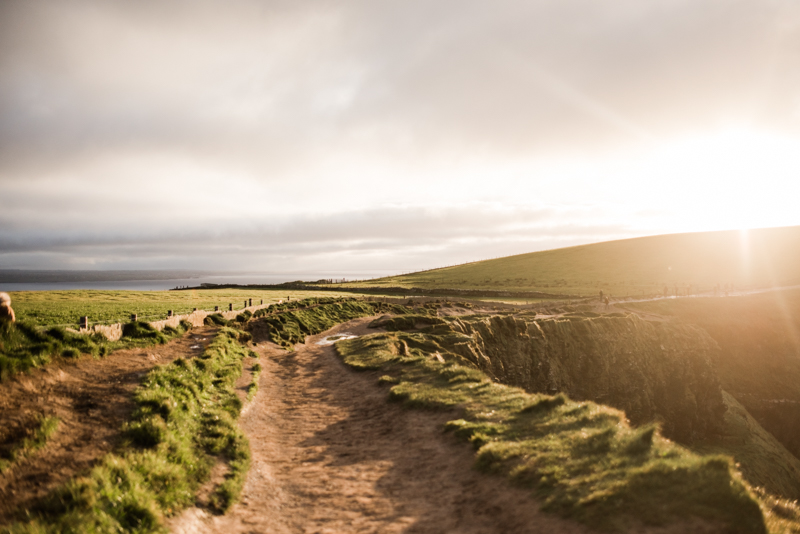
(252, 389)
(32, 440)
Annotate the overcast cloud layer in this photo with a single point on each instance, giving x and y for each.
(387, 135)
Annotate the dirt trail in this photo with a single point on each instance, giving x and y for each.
(331, 455)
(91, 398)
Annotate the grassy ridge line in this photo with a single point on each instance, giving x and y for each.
(629, 267)
(46, 426)
(185, 421)
(24, 346)
(289, 328)
(582, 459)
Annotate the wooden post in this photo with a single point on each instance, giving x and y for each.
(169, 313)
(216, 308)
(85, 321)
(262, 302)
(245, 303)
(194, 310)
(251, 302)
(134, 317)
(230, 307)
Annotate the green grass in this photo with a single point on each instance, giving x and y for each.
(629, 267)
(582, 460)
(291, 327)
(252, 389)
(34, 439)
(185, 421)
(46, 308)
(24, 346)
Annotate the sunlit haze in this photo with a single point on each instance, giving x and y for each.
(387, 136)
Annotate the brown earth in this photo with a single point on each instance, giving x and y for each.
(330, 455)
(92, 398)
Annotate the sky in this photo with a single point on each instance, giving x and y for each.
(386, 137)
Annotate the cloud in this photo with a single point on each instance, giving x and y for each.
(129, 128)
(398, 238)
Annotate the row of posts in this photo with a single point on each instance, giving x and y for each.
(84, 320)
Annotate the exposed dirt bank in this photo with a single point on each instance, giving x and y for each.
(651, 370)
(91, 398)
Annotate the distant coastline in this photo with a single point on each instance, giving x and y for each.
(149, 280)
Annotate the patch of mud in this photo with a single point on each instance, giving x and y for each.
(330, 340)
(91, 398)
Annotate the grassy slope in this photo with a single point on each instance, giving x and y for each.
(582, 459)
(759, 336)
(24, 346)
(66, 307)
(762, 459)
(184, 422)
(630, 267)
(760, 359)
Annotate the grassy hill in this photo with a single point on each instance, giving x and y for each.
(629, 267)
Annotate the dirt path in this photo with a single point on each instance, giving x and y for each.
(91, 398)
(331, 455)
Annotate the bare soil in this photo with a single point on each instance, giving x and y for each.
(92, 398)
(331, 455)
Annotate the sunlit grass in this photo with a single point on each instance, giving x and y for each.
(66, 307)
(24, 346)
(185, 421)
(582, 460)
(631, 267)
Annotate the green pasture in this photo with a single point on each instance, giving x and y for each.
(695, 262)
(64, 308)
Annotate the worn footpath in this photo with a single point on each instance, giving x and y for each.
(329, 454)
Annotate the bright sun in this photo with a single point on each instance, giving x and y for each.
(735, 178)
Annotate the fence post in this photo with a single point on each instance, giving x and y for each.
(230, 307)
(85, 321)
(251, 302)
(216, 308)
(169, 313)
(262, 302)
(194, 310)
(134, 317)
(245, 303)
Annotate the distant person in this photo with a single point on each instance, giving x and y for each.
(6, 311)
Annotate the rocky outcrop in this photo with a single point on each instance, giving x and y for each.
(651, 370)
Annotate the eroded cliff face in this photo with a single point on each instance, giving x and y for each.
(651, 370)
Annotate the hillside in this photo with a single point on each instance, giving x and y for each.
(759, 358)
(630, 267)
